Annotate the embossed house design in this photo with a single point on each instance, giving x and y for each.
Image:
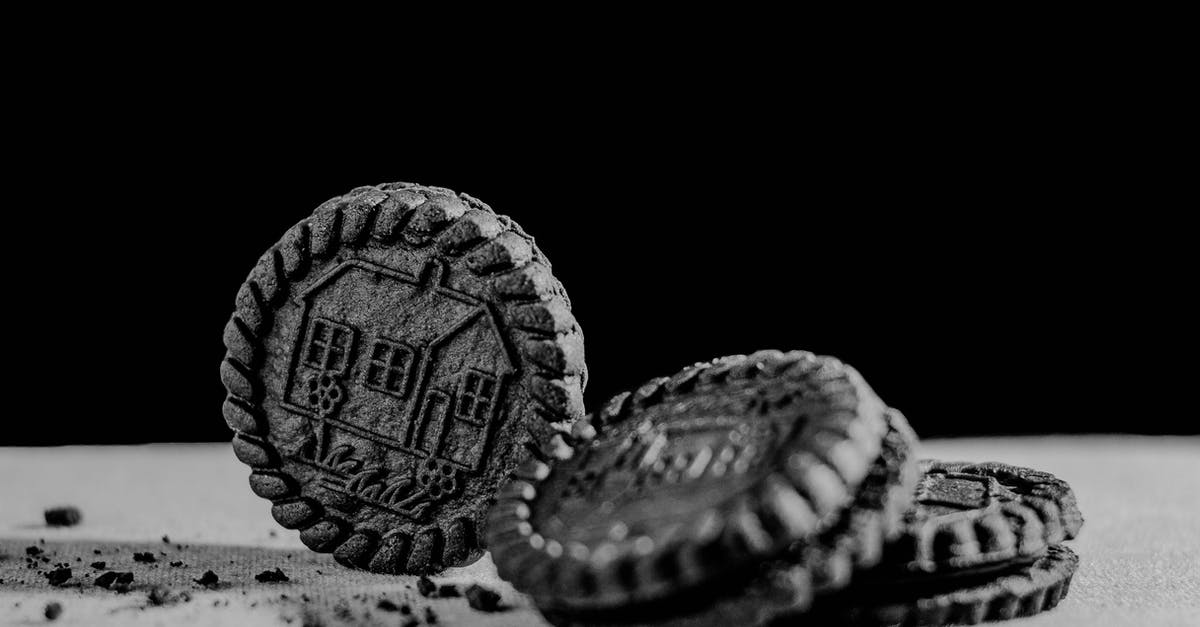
(415, 368)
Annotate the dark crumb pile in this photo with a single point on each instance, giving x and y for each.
(67, 516)
(268, 576)
(58, 576)
(209, 579)
(57, 571)
(483, 599)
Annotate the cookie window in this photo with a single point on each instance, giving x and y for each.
(388, 367)
(475, 397)
(329, 346)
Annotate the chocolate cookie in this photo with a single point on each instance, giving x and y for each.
(690, 481)
(875, 518)
(786, 585)
(1024, 591)
(390, 360)
(973, 517)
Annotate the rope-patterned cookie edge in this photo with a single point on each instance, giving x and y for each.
(821, 477)
(491, 246)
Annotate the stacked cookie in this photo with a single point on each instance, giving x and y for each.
(775, 488)
(404, 372)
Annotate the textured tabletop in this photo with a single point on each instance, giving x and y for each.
(1139, 548)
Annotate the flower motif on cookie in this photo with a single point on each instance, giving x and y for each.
(324, 393)
(437, 479)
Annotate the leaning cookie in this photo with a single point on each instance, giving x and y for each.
(786, 585)
(971, 518)
(876, 517)
(688, 489)
(389, 361)
(1025, 591)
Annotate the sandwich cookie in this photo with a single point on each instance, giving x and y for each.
(967, 600)
(973, 517)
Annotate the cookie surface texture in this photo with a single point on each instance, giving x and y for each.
(389, 362)
(689, 481)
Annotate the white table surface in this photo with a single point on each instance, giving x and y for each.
(1139, 548)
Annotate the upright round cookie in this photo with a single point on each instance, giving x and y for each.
(390, 360)
(690, 481)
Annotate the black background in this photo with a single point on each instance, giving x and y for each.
(993, 261)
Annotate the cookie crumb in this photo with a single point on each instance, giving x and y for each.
(483, 599)
(426, 587)
(268, 576)
(124, 580)
(58, 576)
(53, 610)
(113, 580)
(146, 557)
(99, 565)
(177, 564)
(166, 539)
(66, 516)
(209, 579)
(33, 550)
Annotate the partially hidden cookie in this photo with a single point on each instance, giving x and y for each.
(688, 485)
(972, 517)
(1023, 591)
(390, 361)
